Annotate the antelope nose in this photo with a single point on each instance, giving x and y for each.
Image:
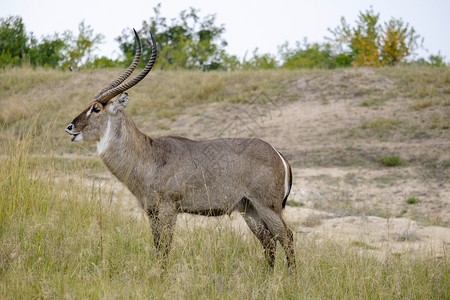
(69, 128)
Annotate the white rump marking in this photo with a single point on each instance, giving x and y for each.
(102, 145)
(286, 173)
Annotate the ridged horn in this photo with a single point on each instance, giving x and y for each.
(111, 93)
(127, 72)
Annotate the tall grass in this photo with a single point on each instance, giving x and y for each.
(63, 240)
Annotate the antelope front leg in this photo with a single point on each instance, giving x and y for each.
(162, 222)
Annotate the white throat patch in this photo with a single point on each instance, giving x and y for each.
(102, 145)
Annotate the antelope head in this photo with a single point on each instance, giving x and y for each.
(91, 123)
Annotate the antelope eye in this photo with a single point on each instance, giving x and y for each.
(95, 109)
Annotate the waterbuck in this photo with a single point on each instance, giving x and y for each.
(171, 175)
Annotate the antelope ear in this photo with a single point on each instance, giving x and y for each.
(121, 102)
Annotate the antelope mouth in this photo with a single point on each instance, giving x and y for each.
(76, 137)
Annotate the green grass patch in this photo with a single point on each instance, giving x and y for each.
(391, 161)
(402, 213)
(423, 104)
(412, 200)
(429, 102)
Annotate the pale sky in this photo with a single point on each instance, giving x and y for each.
(249, 24)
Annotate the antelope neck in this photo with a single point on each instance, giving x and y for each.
(103, 143)
(123, 149)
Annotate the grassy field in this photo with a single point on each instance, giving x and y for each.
(64, 234)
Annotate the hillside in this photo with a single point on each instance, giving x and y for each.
(369, 207)
(362, 142)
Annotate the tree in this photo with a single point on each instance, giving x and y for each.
(80, 49)
(187, 42)
(48, 52)
(398, 41)
(371, 44)
(13, 41)
(17, 47)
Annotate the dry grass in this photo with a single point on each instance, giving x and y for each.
(56, 97)
(61, 238)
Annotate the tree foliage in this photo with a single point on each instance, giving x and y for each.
(372, 44)
(398, 42)
(312, 56)
(49, 52)
(187, 42)
(18, 47)
(259, 61)
(192, 42)
(80, 48)
(13, 41)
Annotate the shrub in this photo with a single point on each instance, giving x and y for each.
(391, 161)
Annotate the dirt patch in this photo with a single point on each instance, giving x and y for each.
(378, 235)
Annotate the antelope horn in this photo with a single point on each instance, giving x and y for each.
(111, 93)
(127, 72)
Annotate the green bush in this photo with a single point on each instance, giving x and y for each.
(312, 56)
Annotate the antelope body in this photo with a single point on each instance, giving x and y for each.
(169, 175)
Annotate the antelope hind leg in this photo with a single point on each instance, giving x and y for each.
(257, 226)
(278, 228)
